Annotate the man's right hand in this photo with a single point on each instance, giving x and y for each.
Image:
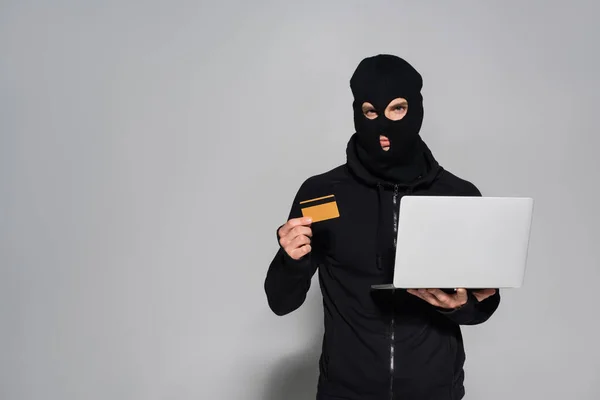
(295, 236)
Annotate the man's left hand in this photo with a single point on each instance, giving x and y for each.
(439, 298)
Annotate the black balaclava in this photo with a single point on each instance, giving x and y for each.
(379, 80)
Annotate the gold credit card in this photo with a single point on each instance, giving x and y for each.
(320, 209)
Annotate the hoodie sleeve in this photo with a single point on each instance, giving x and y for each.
(288, 280)
(473, 312)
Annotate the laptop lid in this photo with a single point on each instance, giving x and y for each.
(462, 242)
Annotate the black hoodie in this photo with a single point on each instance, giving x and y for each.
(382, 344)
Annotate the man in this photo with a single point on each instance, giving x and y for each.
(378, 344)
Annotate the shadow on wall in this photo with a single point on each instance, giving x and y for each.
(294, 377)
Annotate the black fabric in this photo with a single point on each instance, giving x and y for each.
(378, 80)
(355, 359)
(426, 165)
(409, 162)
(429, 168)
(377, 345)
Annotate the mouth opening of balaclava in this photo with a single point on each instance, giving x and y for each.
(378, 80)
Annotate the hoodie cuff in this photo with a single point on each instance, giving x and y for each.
(466, 308)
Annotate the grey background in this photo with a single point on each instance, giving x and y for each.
(149, 150)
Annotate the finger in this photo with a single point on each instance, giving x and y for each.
(299, 241)
(441, 296)
(300, 252)
(462, 296)
(300, 230)
(428, 297)
(448, 300)
(292, 223)
(286, 228)
(455, 300)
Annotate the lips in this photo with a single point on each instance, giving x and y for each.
(385, 142)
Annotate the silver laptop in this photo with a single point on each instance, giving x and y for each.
(461, 242)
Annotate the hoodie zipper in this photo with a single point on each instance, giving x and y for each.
(393, 322)
(396, 209)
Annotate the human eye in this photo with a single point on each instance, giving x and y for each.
(370, 113)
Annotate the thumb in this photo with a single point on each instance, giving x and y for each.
(481, 295)
(461, 295)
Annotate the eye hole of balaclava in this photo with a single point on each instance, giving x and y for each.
(395, 110)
